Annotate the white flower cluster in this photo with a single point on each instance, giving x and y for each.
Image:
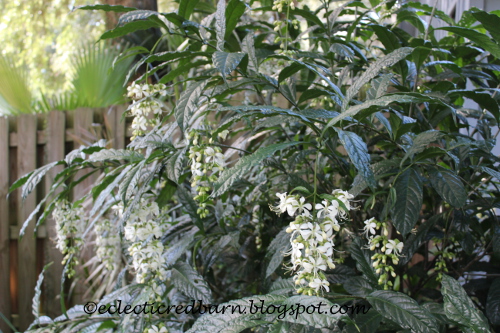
(389, 249)
(156, 329)
(312, 237)
(108, 243)
(144, 104)
(69, 229)
(206, 164)
(279, 5)
(143, 230)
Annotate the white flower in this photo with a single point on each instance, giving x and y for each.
(395, 246)
(326, 249)
(155, 329)
(303, 207)
(287, 204)
(370, 226)
(312, 265)
(319, 283)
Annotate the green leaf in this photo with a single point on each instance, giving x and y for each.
(414, 241)
(190, 283)
(366, 323)
(278, 246)
(38, 292)
(175, 165)
(186, 8)
(189, 205)
(373, 70)
(448, 186)
(358, 153)
(493, 302)
(188, 103)
(427, 10)
(129, 185)
(248, 47)
(20, 182)
(382, 101)
(386, 37)
(358, 286)
(319, 319)
(226, 62)
(108, 8)
(175, 73)
(220, 24)
(490, 22)
(480, 39)
(459, 307)
(172, 55)
(362, 257)
(420, 142)
(98, 203)
(229, 176)
(409, 201)
(234, 10)
(131, 27)
(491, 172)
(379, 86)
(34, 178)
(116, 155)
(403, 310)
(282, 286)
(172, 254)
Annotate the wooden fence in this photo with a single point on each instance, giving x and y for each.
(28, 142)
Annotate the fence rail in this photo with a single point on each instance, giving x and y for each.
(28, 142)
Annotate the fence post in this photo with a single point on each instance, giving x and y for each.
(4, 225)
(26, 161)
(54, 151)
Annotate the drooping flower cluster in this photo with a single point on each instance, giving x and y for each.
(69, 228)
(144, 104)
(143, 230)
(207, 162)
(386, 249)
(442, 256)
(108, 244)
(313, 236)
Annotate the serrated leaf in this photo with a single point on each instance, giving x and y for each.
(220, 24)
(358, 286)
(358, 153)
(108, 8)
(379, 86)
(362, 257)
(409, 201)
(373, 71)
(448, 186)
(108, 190)
(403, 310)
(248, 47)
(493, 302)
(188, 103)
(420, 142)
(382, 101)
(34, 178)
(189, 205)
(190, 283)
(181, 247)
(186, 8)
(131, 181)
(116, 154)
(229, 176)
(226, 62)
(480, 39)
(175, 165)
(459, 307)
(38, 292)
(282, 286)
(318, 319)
(278, 246)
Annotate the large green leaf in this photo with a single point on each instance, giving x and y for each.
(220, 24)
(493, 302)
(403, 310)
(373, 70)
(421, 141)
(448, 186)
(188, 103)
(186, 8)
(116, 155)
(34, 178)
(229, 176)
(190, 283)
(133, 21)
(490, 22)
(408, 201)
(226, 62)
(234, 10)
(362, 257)
(276, 249)
(459, 307)
(108, 8)
(480, 39)
(386, 37)
(365, 323)
(358, 153)
(175, 165)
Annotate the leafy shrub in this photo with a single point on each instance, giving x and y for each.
(349, 172)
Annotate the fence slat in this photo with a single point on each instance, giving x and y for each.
(4, 224)
(26, 161)
(54, 151)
